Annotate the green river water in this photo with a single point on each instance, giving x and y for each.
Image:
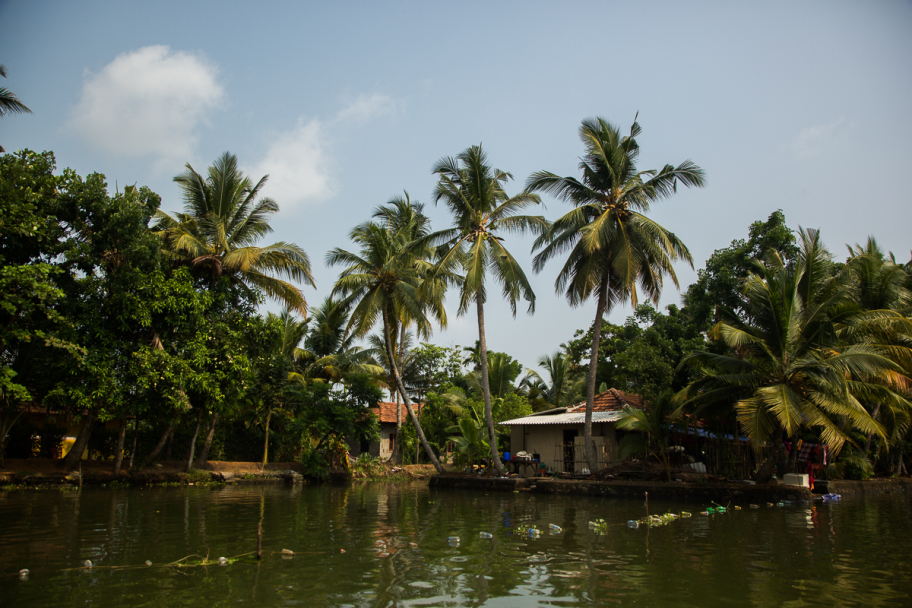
(386, 545)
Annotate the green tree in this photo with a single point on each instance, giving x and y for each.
(224, 218)
(563, 387)
(786, 368)
(612, 246)
(474, 193)
(653, 427)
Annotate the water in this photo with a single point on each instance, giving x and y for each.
(386, 545)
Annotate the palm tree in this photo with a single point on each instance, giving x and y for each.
(224, 217)
(9, 103)
(788, 369)
(474, 193)
(386, 282)
(329, 353)
(563, 387)
(612, 246)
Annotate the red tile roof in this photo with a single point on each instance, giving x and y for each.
(609, 401)
(387, 411)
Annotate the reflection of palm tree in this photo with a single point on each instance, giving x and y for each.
(223, 219)
(789, 370)
(475, 195)
(9, 103)
(612, 246)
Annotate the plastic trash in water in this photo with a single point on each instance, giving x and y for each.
(555, 528)
(829, 497)
(704, 513)
(686, 514)
(23, 574)
(485, 535)
(87, 563)
(633, 524)
(710, 510)
(780, 504)
(534, 532)
(769, 504)
(223, 561)
(453, 540)
(737, 508)
(755, 506)
(148, 563)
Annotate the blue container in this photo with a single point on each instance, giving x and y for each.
(506, 455)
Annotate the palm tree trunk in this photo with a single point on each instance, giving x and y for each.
(870, 435)
(397, 447)
(204, 452)
(118, 452)
(765, 473)
(160, 445)
(405, 399)
(82, 440)
(196, 431)
(135, 435)
(591, 458)
(486, 387)
(266, 442)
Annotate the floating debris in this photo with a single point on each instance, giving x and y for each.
(829, 497)
(704, 513)
(287, 552)
(769, 504)
(453, 541)
(599, 526)
(632, 523)
(555, 528)
(341, 550)
(223, 561)
(755, 506)
(737, 508)
(686, 514)
(87, 563)
(23, 574)
(148, 563)
(780, 504)
(485, 535)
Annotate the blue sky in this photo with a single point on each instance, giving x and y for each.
(796, 106)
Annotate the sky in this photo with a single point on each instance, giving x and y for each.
(803, 107)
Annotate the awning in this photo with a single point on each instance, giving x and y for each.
(575, 418)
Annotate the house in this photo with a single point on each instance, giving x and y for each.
(383, 449)
(555, 437)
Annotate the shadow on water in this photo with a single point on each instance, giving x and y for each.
(386, 545)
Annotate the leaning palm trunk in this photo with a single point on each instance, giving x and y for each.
(207, 445)
(82, 440)
(486, 387)
(591, 458)
(408, 406)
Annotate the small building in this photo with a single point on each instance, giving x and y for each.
(555, 436)
(383, 449)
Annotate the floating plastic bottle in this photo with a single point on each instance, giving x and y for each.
(686, 514)
(633, 524)
(769, 504)
(737, 508)
(755, 506)
(148, 563)
(534, 532)
(485, 535)
(780, 504)
(829, 497)
(223, 561)
(705, 512)
(453, 540)
(23, 574)
(87, 563)
(555, 528)
(710, 510)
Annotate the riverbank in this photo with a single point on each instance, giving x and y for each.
(696, 492)
(18, 473)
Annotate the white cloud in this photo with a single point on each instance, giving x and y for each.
(811, 141)
(365, 108)
(148, 102)
(297, 165)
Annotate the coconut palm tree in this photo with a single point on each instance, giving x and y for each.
(474, 193)
(612, 247)
(9, 103)
(223, 220)
(788, 369)
(386, 282)
(563, 387)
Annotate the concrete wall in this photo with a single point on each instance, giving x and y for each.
(544, 439)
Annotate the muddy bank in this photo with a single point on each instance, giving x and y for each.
(722, 493)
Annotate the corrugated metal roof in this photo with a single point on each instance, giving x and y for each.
(575, 418)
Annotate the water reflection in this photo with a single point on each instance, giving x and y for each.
(385, 545)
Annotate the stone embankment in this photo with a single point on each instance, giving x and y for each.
(737, 493)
